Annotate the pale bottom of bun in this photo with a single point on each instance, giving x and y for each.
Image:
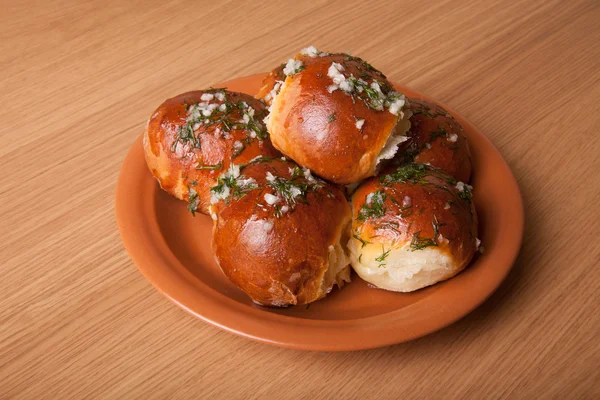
(397, 137)
(338, 272)
(402, 270)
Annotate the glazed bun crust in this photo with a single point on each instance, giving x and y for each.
(435, 137)
(412, 227)
(279, 256)
(318, 128)
(194, 159)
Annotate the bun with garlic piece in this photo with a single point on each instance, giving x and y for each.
(412, 227)
(334, 114)
(436, 138)
(191, 138)
(279, 231)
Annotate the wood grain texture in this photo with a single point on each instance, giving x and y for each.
(80, 78)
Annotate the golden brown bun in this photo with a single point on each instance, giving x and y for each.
(338, 130)
(412, 227)
(188, 161)
(288, 252)
(435, 137)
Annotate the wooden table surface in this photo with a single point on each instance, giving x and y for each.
(80, 78)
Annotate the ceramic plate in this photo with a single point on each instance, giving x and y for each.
(172, 249)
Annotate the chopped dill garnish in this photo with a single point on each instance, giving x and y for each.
(213, 167)
(279, 71)
(290, 189)
(364, 64)
(331, 118)
(208, 114)
(413, 173)
(369, 87)
(388, 225)
(298, 70)
(383, 255)
(441, 132)
(293, 190)
(216, 89)
(185, 134)
(194, 201)
(426, 113)
(373, 206)
(423, 109)
(258, 160)
(361, 240)
(238, 150)
(419, 243)
(406, 211)
(232, 185)
(466, 193)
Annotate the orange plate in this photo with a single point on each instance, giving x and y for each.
(172, 249)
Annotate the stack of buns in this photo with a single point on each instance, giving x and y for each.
(271, 172)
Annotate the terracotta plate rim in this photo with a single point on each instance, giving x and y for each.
(153, 257)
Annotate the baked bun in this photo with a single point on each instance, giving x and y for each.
(435, 137)
(279, 232)
(191, 138)
(335, 114)
(412, 227)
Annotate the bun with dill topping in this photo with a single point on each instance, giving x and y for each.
(191, 138)
(334, 114)
(279, 232)
(412, 227)
(286, 237)
(436, 138)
